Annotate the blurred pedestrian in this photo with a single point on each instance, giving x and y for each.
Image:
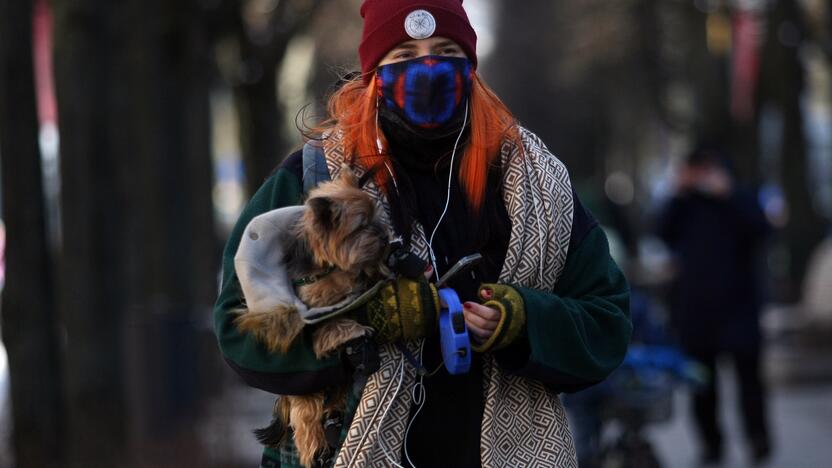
(715, 228)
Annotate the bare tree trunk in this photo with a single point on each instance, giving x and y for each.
(172, 263)
(261, 118)
(139, 244)
(586, 76)
(534, 71)
(783, 82)
(29, 321)
(91, 79)
(262, 49)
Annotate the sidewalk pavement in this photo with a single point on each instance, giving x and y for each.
(800, 419)
(226, 431)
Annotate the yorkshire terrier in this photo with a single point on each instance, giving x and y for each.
(338, 248)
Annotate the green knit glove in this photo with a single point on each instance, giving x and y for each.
(512, 315)
(403, 310)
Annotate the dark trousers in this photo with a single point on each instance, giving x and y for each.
(752, 400)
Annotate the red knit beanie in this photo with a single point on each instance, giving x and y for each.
(388, 23)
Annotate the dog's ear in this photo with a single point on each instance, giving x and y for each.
(322, 210)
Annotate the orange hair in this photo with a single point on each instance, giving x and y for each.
(353, 109)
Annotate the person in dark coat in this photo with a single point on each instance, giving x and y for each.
(715, 229)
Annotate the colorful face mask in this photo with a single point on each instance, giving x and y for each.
(427, 91)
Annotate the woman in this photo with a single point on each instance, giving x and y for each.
(547, 307)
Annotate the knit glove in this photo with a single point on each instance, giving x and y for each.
(403, 310)
(509, 302)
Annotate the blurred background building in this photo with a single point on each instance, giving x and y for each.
(132, 133)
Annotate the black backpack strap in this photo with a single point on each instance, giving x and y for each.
(314, 165)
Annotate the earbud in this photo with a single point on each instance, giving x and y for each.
(379, 146)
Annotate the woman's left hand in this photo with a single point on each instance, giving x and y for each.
(481, 320)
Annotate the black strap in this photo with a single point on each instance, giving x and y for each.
(411, 359)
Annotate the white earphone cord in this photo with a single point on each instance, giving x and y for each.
(448, 196)
(419, 399)
(420, 384)
(378, 435)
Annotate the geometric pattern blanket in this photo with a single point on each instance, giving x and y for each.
(523, 423)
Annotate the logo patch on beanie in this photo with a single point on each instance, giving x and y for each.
(420, 24)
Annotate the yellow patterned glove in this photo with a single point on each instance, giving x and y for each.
(512, 315)
(404, 310)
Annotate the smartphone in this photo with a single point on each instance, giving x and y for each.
(461, 266)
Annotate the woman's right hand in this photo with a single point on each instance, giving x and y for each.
(404, 309)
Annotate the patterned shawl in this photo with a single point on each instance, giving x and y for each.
(523, 424)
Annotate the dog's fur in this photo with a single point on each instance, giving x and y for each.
(339, 231)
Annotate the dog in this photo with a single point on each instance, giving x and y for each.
(337, 248)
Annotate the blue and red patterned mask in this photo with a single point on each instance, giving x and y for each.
(427, 92)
